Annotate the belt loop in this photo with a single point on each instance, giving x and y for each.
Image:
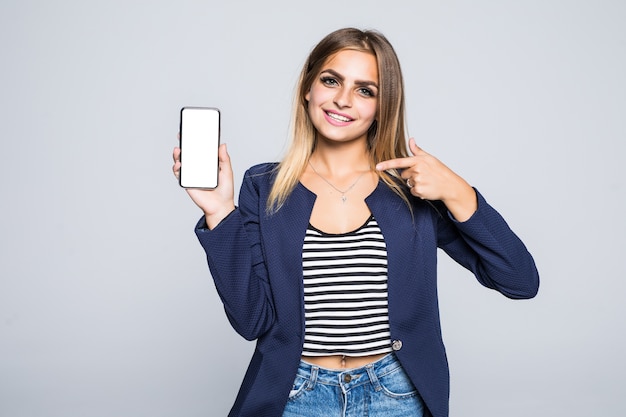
(313, 379)
(373, 378)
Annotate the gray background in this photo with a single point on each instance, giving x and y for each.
(106, 304)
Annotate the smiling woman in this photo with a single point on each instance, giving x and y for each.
(329, 260)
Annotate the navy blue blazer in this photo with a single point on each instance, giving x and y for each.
(255, 260)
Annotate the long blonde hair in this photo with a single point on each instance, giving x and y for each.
(386, 137)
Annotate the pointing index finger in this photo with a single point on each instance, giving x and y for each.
(395, 163)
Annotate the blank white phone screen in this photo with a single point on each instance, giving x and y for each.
(199, 141)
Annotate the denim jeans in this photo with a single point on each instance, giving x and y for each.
(379, 389)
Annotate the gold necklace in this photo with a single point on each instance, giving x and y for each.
(343, 193)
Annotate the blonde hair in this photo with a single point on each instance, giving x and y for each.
(386, 137)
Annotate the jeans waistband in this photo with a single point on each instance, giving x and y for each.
(346, 377)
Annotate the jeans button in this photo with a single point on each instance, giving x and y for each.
(347, 378)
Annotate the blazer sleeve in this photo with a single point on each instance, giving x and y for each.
(487, 246)
(235, 257)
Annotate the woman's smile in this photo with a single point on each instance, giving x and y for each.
(337, 118)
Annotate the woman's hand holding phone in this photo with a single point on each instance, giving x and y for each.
(216, 203)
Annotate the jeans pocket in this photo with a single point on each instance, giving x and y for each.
(299, 386)
(397, 384)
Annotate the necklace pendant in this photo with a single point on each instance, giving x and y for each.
(343, 193)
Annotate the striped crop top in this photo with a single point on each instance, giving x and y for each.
(345, 292)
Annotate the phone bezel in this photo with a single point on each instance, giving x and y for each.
(181, 145)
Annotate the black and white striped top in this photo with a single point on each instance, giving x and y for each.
(345, 292)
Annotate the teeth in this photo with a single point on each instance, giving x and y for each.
(338, 117)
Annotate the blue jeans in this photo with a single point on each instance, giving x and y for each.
(379, 389)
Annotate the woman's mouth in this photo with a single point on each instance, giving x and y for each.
(338, 117)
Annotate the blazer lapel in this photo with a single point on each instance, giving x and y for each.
(284, 234)
(403, 233)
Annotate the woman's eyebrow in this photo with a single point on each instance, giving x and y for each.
(360, 83)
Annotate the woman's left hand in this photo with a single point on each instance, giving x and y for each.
(428, 178)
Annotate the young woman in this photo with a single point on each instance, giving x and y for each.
(329, 261)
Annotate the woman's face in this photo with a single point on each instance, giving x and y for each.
(343, 99)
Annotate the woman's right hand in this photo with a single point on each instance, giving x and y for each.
(219, 202)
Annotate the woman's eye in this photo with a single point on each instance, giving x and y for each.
(329, 81)
(366, 92)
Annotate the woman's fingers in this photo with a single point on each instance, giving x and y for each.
(176, 166)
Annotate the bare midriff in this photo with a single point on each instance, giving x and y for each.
(341, 361)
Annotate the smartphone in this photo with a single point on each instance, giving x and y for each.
(199, 142)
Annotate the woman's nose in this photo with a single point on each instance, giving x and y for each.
(342, 98)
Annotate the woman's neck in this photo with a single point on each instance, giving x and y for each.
(339, 160)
